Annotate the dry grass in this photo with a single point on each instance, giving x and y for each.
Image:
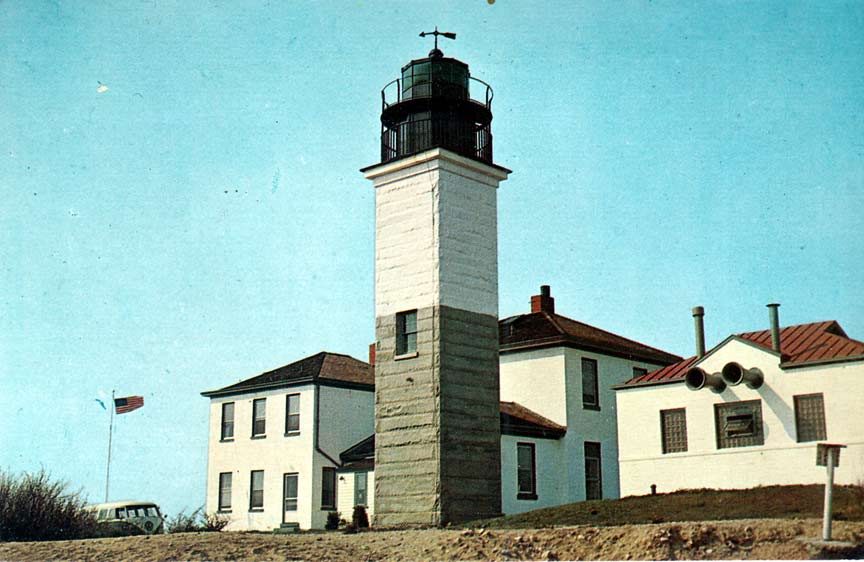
(770, 502)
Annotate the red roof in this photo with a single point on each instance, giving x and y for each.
(800, 345)
(544, 329)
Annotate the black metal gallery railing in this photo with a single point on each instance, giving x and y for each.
(460, 136)
(478, 92)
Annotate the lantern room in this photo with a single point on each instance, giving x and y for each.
(435, 103)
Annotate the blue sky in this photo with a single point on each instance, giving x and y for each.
(203, 218)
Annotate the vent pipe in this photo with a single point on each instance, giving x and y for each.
(775, 326)
(697, 379)
(698, 313)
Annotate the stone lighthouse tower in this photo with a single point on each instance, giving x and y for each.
(437, 429)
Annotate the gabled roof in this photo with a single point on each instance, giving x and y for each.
(810, 343)
(545, 329)
(516, 419)
(800, 345)
(362, 450)
(324, 368)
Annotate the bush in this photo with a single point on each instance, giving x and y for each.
(359, 519)
(33, 507)
(182, 523)
(332, 521)
(195, 522)
(214, 522)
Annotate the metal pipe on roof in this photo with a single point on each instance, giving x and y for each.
(698, 314)
(773, 313)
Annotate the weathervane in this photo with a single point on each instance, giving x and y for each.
(436, 33)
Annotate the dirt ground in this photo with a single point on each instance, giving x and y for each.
(742, 539)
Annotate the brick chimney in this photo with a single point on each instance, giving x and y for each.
(372, 353)
(544, 301)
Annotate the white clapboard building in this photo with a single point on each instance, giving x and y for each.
(288, 446)
(747, 413)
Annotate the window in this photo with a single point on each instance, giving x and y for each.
(259, 417)
(227, 421)
(639, 371)
(526, 472)
(673, 429)
(739, 424)
(593, 472)
(225, 491)
(810, 418)
(292, 414)
(590, 395)
(256, 491)
(290, 491)
(406, 332)
(328, 488)
(361, 481)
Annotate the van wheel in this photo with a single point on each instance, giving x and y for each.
(148, 525)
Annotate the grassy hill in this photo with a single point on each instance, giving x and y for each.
(692, 505)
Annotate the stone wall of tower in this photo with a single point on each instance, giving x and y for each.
(437, 450)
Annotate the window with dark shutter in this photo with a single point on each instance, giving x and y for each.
(590, 390)
(593, 472)
(259, 417)
(328, 488)
(225, 491)
(810, 418)
(292, 414)
(526, 472)
(256, 491)
(227, 421)
(739, 424)
(406, 332)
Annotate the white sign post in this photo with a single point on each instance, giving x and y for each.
(828, 455)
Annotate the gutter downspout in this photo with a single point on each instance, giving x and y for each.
(315, 429)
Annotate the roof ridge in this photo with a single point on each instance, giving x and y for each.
(827, 324)
(551, 316)
(617, 335)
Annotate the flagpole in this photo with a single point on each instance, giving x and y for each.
(110, 432)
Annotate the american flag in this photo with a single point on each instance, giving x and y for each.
(127, 404)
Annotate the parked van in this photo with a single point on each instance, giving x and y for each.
(129, 517)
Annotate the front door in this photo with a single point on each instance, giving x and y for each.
(289, 497)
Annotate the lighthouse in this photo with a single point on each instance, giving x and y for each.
(437, 425)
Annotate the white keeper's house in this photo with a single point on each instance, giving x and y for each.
(292, 444)
(747, 413)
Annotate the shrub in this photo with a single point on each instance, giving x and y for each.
(195, 522)
(183, 523)
(359, 519)
(214, 522)
(33, 507)
(332, 521)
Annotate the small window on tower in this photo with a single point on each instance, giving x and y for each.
(406, 333)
